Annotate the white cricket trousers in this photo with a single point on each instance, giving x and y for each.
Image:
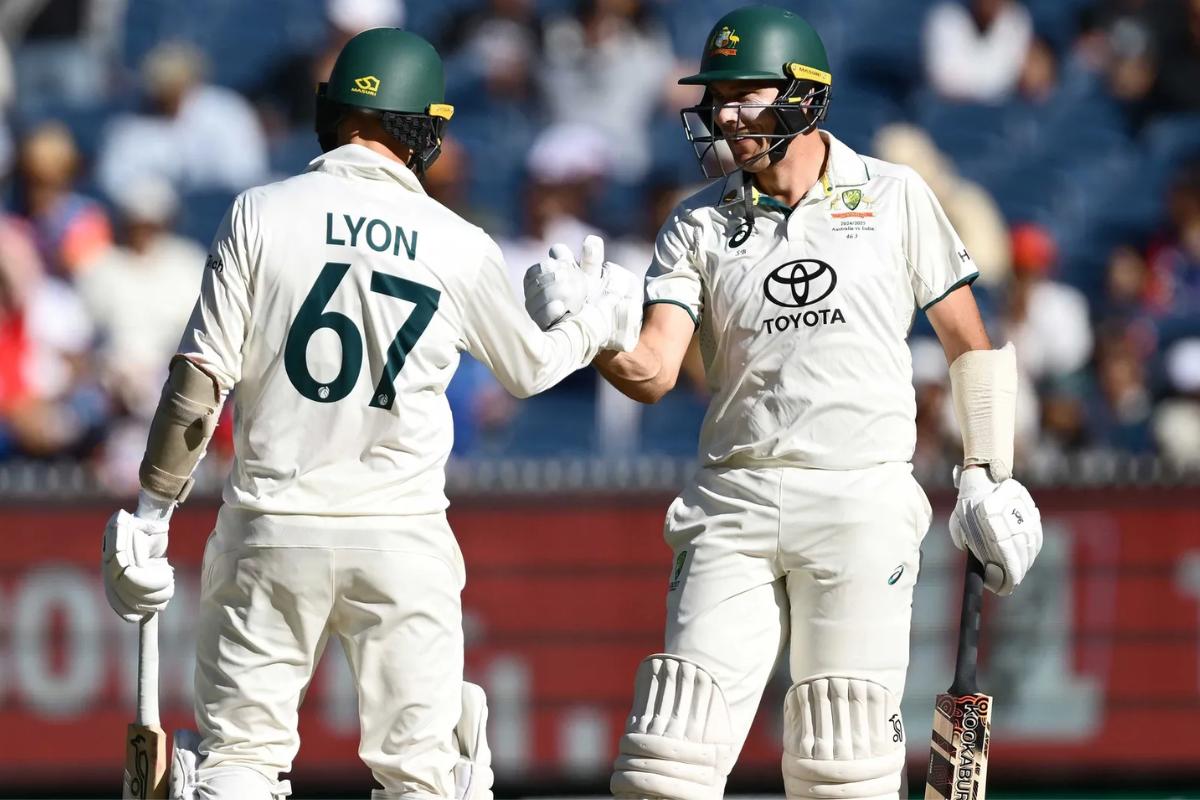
(389, 589)
(819, 562)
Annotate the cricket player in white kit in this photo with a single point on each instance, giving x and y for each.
(800, 532)
(335, 305)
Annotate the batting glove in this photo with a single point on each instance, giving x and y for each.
(137, 578)
(555, 288)
(559, 287)
(1000, 524)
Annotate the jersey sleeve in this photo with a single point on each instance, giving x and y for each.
(938, 263)
(499, 333)
(220, 319)
(674, 276)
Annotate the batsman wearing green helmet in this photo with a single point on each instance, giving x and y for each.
(335, 306)
(802, 267)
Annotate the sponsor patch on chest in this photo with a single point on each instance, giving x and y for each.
(797, 285)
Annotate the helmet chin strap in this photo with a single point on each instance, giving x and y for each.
(774, 154)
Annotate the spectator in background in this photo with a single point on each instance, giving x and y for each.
(971, 210)
(193, 134)
(1149, 53)
(447, 181)
(499, 54)
(140, 294)
(564, 169)
(47, 404)
(1064, 418)
(285, 99)
(1119, 412)
(1039, 74)
(473, 33)
(1129, 292)
(606, 67)
(1176, 58)
(1046, 320)
(1124, 53)
(497, 109)
(63, 49)
(1177, 419)
(71, 230)
(938, 439)
(1175, 262)
(976, 51)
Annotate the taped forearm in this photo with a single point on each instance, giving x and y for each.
(179, 434)
(984, 385)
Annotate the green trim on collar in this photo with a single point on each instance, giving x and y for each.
(956, 285)
(767, 201)
(690, 313)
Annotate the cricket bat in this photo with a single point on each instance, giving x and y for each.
(145, 741)
(962, 716)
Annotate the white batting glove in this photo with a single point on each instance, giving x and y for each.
(620, 291)
(1001, 525)
(555, 288)
(137, 578)
(614, 288)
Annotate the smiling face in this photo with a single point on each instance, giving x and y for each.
(744, 121)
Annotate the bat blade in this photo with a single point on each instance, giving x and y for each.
(145, 763)
(958, 756)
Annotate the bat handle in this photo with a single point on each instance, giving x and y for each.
(967, 660)
(147, 687)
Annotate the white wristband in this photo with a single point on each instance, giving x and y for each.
(154, 507)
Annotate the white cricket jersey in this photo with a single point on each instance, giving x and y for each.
(803, 322)
(336, 304)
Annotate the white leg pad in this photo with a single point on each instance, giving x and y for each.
(230, 782)
(677, 741)
(843, 739)
(473, 774)
(185, 757)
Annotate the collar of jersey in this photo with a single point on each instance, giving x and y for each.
(356, 161)
(845, 168)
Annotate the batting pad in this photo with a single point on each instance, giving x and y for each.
(842, 738)
(473, 775)
(677, 739)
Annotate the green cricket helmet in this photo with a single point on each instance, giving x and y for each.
(395, 76)
(759, 43)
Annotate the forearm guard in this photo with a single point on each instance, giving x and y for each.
(984, 385)
(183, 423)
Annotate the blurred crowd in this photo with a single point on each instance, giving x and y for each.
(1061, 136)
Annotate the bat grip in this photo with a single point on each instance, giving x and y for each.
(967, 660)
(147, 686)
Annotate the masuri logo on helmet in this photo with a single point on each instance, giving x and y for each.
(368, 84)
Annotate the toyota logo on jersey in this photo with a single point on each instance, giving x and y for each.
(799, 283)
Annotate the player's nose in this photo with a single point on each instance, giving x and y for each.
(727, 116)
